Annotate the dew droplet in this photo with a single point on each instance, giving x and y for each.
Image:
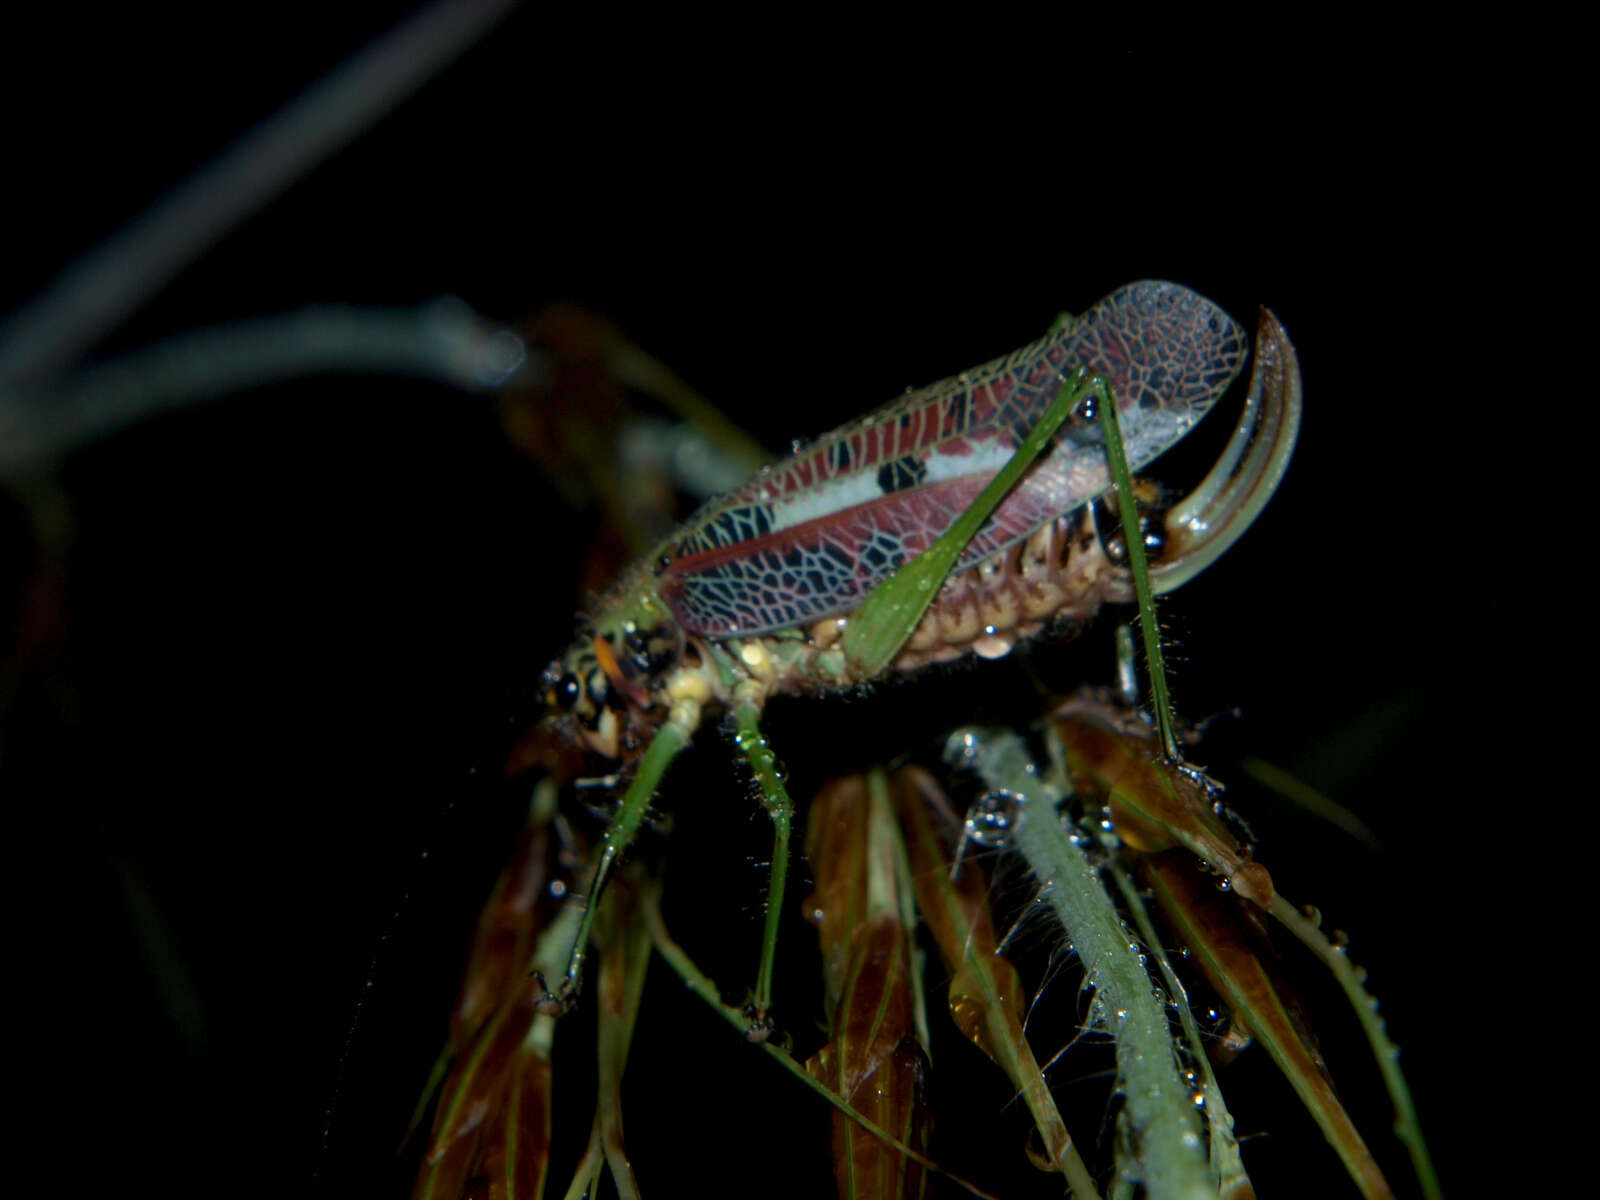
(992, 818)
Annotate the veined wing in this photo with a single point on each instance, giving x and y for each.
(812, 536)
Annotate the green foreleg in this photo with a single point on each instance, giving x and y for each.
(619, 835)
(1139, 567)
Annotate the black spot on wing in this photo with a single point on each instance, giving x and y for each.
(901, 473)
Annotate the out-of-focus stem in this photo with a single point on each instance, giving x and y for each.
(94, 294)
(443, 340)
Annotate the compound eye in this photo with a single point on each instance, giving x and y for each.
(564, 692)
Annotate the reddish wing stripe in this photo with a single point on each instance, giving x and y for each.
(828, 565)
(815, 534)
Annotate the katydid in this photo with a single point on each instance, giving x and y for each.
(960, 518)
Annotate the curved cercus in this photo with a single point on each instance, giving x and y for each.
(1202, 527)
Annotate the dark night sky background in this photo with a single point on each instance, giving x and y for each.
(299, 629)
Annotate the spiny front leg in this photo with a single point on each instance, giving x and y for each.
(672, 737)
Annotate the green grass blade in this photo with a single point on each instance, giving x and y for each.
(1406, 1125)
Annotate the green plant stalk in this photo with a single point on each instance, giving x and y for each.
(1225, 1159)
(586, 1178)
(1161, 1125)
(1406, 1126)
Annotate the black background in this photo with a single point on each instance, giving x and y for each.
(258, 769)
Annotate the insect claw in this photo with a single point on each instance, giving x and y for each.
(553, 1002)
(759, 1025)
(1196, 774)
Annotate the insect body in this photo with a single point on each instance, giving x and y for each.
(774, 568)
(756, 596)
